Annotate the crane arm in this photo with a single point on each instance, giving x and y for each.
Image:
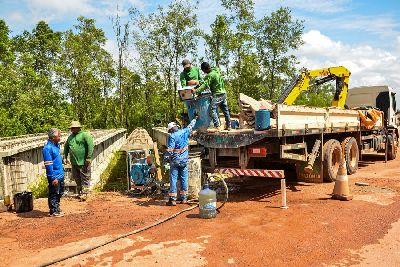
(302, 83)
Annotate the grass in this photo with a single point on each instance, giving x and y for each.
(39, 188)
(114, 176)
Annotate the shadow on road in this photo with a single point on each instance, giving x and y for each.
(33, 214)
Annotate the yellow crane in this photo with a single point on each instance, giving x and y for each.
(302, 83)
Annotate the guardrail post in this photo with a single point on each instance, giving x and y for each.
(283, 192)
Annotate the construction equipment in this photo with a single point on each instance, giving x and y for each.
(303, 81)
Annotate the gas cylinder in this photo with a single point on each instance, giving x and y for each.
(207, 203)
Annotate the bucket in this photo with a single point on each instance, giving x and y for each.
(263, 118)
(23, 202)
(194, 169)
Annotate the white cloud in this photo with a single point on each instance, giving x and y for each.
(56, 9)
(369, 65)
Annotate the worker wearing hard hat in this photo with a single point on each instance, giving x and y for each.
(190, 74)
(215, 82)
(178, 155)
(80, 147)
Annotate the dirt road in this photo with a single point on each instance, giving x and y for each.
(250, 231)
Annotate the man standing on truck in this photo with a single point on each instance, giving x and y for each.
(80, 147)
(215, 82)
(54, 171)
(190, 75)
(178, 155)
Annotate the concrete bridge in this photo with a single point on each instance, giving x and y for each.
(21, 160)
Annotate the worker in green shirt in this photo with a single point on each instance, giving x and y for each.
(80, 147)
(215, 82)
(190, 74)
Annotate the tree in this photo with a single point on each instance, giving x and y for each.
(85, 64)
(163, 39)
(317, 96)
(121, 31)
(242, 76)
(218, 42)
(276, 36)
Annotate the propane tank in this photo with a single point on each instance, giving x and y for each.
(207, 203)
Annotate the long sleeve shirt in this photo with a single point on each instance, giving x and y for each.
(177, 150)
(80, 148)
(214, 81)
(193, 74)
(53, 161)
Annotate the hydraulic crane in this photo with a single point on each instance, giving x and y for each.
(302, 83)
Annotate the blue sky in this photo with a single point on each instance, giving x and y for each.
(361, 35)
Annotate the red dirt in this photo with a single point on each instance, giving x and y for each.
(250, 231)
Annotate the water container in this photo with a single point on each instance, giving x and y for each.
(23, 202)
(207, 203)
(263, 118)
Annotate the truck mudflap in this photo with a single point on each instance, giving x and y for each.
(279, 174)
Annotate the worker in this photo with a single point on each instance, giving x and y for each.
(190, 74)
(178, 155)
(54, 171)
(80, 147)
(215, 82)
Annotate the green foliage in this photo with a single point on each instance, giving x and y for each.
(40, 187)
(276, 35)
(114, 177)
(317, 96)
(48, 78)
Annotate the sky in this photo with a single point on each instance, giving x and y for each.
(362, 35)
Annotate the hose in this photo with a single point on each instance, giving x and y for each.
(117, 238)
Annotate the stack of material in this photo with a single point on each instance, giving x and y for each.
(248, 108)
(138, 139)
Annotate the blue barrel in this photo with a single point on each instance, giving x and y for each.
(200, 104)
(263, 118)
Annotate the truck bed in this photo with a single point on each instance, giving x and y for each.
(288, 121)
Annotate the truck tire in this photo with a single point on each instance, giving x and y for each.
(351, 154)
(392, 147)
(332, 159)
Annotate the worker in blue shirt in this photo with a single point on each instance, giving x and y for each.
(54, 171)
(178, 155)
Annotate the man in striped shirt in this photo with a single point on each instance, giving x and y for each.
(54, 171)
(178, 155)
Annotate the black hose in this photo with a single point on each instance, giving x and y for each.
(116, 238)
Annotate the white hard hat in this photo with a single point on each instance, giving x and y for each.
(171, 125)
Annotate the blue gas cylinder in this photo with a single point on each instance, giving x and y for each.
(207, 203)
(263, 118)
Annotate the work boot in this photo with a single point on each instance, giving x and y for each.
(171, 202)
(227, 128)
(183, 201)
(56, 214)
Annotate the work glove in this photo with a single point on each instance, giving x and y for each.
(192, 82)
(167, 166)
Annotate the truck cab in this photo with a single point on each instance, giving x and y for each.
(381, 97)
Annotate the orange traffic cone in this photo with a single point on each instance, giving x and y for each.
(341, 190)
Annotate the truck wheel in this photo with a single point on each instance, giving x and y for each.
(332, 159)
(392, 148)
(351, 154)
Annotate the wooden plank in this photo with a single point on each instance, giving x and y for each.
(158, 161)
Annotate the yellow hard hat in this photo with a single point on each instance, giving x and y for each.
(75, 124)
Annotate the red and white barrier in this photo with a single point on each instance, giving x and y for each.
(253, 172)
